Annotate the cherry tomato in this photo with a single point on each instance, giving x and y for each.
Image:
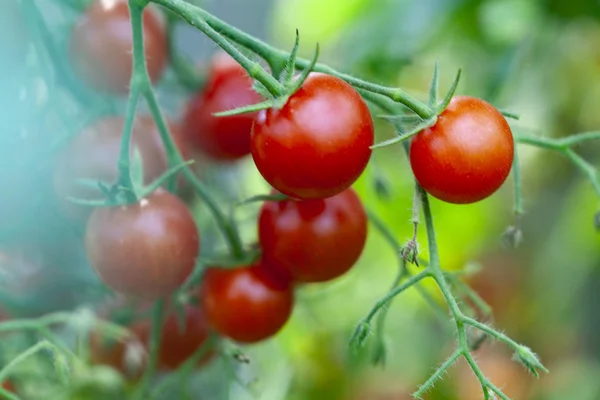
(94, 154)
(313, 240)
(245, 304)
(176, 345)
(228, 87)
(101, 46)
(146, 249)
(467, 155)
(9, 386)
(318, 144)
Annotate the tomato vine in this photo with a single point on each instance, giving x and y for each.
(389, 99)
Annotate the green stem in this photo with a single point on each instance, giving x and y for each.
(516, 170)
(185, 368)
(584, 167)
(195, 17)
(275, 57)
(578, 138)
(438, 373)
(492, 332)
(43, 345)
(153, 349)
(388, 297)
(34, 323)
(547, 143)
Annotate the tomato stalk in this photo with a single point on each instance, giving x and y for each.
(210, 25)
(140, 81)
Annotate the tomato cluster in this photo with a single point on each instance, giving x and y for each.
(311, 149)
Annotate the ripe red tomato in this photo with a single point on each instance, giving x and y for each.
(467, 155)
(228, 87)
(245, 304)
(94, 154)
(318, 144)
(313, 240)
(101, 46)
(145, 250)
(176, 345)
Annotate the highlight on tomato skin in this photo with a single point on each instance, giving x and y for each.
(143, 250)
(245, 304)
(318, 143)
(313, 240)
(228, 87)
(94, 153)
(467, 155)
(101, 46)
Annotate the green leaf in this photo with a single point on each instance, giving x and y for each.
(450, 93)
(137, 168)
(263, 197)
(290, 65)
(300, 81)
(511, 115)
(91, 203)
(245, 109)
(164, 177)
(530, 360)
(433, 89)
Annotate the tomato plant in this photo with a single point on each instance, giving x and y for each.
(101, 45)
(246, 304)
(318, 143)
(467, 155)
(93, 155)
(313, 240)
(146, 249)
(176, 346)
(228, 87)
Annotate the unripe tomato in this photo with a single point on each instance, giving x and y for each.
(146, 249)
(94, 155)
(467, 155)
(228, 87)
(318, 143)
(101, 46)
(313, 240)
(245, 304)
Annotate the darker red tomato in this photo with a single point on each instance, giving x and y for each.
(467, 155)
(102, 42)
(94, 154)
(9, 386)
(145, 250)
(228, 87)
(245, 304)
(318, 144)
(176, 345)
(313, 240)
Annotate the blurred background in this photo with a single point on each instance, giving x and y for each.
(537, 58)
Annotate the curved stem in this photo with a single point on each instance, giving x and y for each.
(194, 17)
(275, 57)
(438, 373)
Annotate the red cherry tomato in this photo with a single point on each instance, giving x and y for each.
(313, 240)
(467, 155)
(102, 45)
(94, 154)
(245, 304)
(146, 249)
(228, 87)
(318, 144)
(176, 345)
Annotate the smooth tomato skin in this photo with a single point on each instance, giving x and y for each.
(245, 304)
(318, 144)
(144, 250)
(101, 48)
(228, 87)
(94, 154)
(313, 240)
(467, 155)
(176, 346)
